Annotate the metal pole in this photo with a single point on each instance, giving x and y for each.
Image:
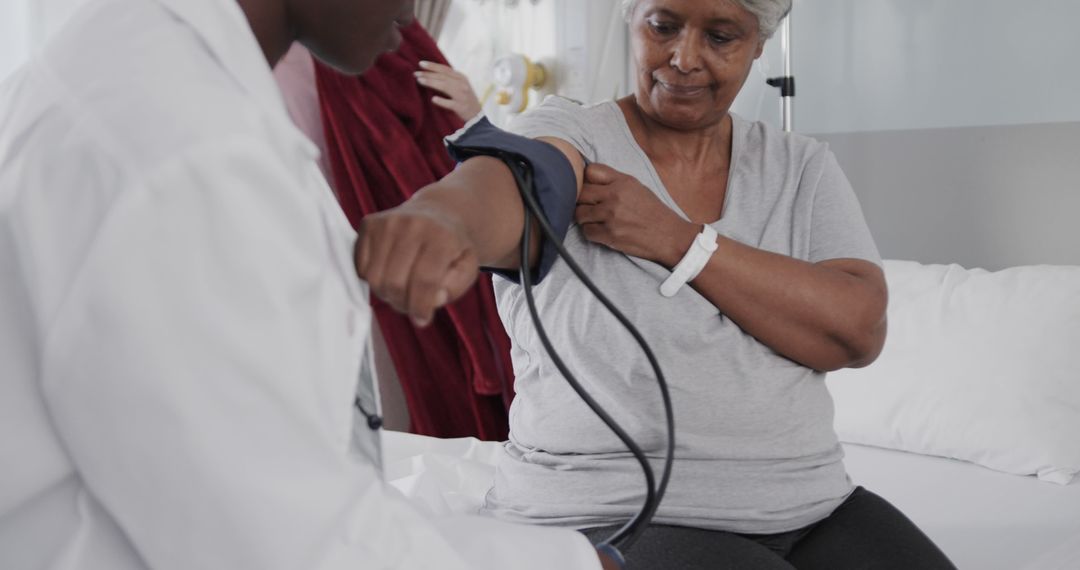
(786, 83)
(787, 98)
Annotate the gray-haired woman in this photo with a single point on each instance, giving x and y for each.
(793, 289)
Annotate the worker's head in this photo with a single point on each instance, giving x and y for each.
(348, 34)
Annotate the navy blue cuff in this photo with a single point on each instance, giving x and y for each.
(554, 182)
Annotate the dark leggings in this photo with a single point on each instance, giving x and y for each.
(865, 532)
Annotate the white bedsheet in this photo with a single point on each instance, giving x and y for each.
(446, 476)
(984, 520)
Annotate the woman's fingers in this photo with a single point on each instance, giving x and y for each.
(441, 83)
(448, 104)
(593, 193)
(601, 174)
(590, 214)
(596, 233)
(459, 96)
(438, 67)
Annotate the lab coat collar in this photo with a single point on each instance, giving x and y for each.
(224, 28)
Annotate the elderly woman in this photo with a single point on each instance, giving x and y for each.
(793, 289)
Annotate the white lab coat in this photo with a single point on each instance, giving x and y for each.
(180, 327)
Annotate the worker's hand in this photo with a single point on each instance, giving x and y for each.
(459, 95)
(616, 210)
(417, 260)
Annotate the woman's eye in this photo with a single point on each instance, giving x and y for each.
(719, 39)
(662, 28)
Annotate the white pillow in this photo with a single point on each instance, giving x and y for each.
(978, 366)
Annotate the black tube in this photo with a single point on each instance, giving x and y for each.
(629, 533)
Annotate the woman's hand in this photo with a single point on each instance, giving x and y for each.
(459, 95)
(416, 259)
(616, 210)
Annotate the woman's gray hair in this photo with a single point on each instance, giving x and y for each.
(769, 13)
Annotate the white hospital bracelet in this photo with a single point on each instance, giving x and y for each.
(692, 263)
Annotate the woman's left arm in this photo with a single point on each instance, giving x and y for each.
(826, 315)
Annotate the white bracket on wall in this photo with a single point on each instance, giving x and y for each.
(514, 75)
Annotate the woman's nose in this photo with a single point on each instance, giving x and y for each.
(687, 55)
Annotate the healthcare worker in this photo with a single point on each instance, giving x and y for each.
(181, 323)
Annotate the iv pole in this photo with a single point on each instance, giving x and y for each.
(786, 83)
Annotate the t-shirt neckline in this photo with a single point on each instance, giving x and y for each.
(729, 193)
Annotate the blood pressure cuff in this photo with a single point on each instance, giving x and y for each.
(554, 182)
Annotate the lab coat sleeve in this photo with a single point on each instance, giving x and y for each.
(200, 371)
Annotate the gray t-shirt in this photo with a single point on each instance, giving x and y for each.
(756, 451)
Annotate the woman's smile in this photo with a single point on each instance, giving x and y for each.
(681, 90)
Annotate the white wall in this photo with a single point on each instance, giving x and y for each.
(877, 65)
(582, 43)
(477, 32)
(757, 100)
(604, 37)
(957, 121)
(990, 197)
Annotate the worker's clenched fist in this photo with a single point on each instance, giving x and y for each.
(415, 259)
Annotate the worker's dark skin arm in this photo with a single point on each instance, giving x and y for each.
(427, 252)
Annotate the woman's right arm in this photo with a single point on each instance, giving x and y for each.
(427, 252)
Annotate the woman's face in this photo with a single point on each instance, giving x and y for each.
(692, 58)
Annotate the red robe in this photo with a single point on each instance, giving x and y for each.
(385, 142)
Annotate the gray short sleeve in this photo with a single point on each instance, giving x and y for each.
(837, 228)
(561, 118)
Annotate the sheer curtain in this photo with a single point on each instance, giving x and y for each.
(432, 15)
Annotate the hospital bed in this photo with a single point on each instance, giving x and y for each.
(992, 376)
(970, 420)
(977, 444)
(984, 520)
(968, 429)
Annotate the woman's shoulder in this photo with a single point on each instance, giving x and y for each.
(564, 109)
(573, 105)
(587, 127)
(796, 162)
(764, 140)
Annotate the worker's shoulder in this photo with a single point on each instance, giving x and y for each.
(146, 87)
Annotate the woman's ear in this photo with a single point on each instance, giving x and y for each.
(760, 49)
